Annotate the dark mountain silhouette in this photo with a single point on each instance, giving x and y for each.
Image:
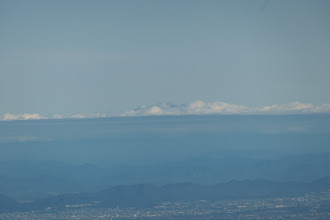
(26, 180)
(148, 195)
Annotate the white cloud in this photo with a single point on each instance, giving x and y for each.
(200, 107)
(155, 110)
(35, 116)
(25, 116)
(194, 108)
(324, 108)
(295, 107)
(93, 115)
(204, 108)
(79, 116)
(161, 109)
(58, 116)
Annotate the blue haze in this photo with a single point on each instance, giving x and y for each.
(145, 140)
(43, 157)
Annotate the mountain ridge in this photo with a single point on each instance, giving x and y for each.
(148, 195)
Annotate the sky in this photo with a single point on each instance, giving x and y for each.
(110, 57)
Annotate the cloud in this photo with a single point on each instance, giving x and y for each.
(78, 116)
(155, 110)
(25, 116)
(35, 116)
(160, 109)
(93, 115)
(200, 107)
(58, 116)
(195, 108)
(295, 107)
(204, 108)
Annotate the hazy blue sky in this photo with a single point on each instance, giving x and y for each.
(111, 56)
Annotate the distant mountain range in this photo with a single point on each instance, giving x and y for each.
(41, 158)
(147, 195)
(26, 180)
